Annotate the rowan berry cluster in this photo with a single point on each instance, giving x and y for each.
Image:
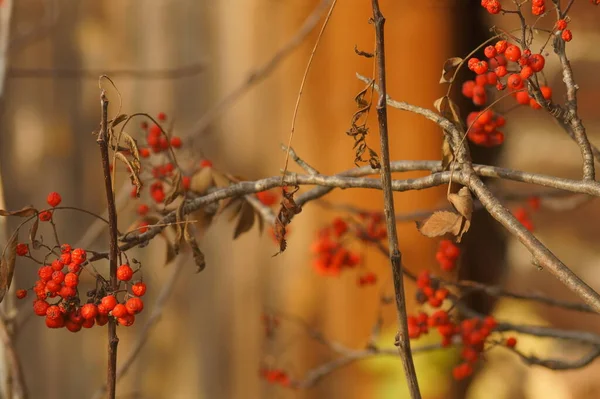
(523, 213)
(331, 254)
(57, 296)
(276, 376)
(447, 255)
(472, 334)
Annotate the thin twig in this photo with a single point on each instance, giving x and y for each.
(144, 333)
(113, 340)
(390, 214)
(304, 77)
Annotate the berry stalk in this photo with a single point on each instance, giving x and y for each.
(113, 340)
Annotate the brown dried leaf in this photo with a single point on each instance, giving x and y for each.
(246, 220)
(462, 202)
(132, 145)
(202, 180)
(134, 171)
(7, 264)
(449, 69)
(448, 109)
(447, 155)
(219, 178)
(441, 223)
(33, 232)
(196, 252)
(23, 212)
(175, 188)
(236, 204)
(178, 226)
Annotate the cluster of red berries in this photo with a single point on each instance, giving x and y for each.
(492, 6)
(429, 290)
(447, 255)
(522, 213)
(156, 140)
(483, 128)
(473, 334)
(276, 376)
(561, 26)
(374, 228)
(331, 256)
(57, 294)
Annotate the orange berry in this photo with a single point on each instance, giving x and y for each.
(134, 305)
(58, 322)
(511, 342)
(138, 289)
(78, 256)
(119, 310)
(53, 199)
(40, 307)
(21, 294)
(124, 273)
(512, 52)
(71, 280)
(126, 320)
(109, 302)
(89, 311)
(566, 35)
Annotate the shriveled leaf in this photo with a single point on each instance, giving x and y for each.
(175, 188)
(179, 226)
(236, 208)
(462, 202)
(134, 171)
(202, 180)
(132, 145)
(119, 119)
(171, 253)
(246, 220)
(33, 231)
(448, 109)
(7, 265)
(441, 223)
(447, 155)
(449, 69)
(196, 252)
(23, 212)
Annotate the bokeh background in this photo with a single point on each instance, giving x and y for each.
(182, 57)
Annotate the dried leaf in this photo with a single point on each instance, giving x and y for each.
(462, 202)
(201, 181)
(440, 223)
(449, 69)
(196, 252)
(448, 109)
(132, 145)
(287, 211)
(219, 178)
(246, 220)
(175, 188)
(134, 171)
(33, 231)
(178, 226)
(7, 264)
(23, 212)
(447, 155)
(119, 119)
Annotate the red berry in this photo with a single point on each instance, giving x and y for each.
(143, 209)
(45, 216)
(134, 305)
(119, 310)
(71, 280)
(534, 202)
(537, 62)
(74, 267)
(512, 53)
(58, 276)
(514, 81)
(546, 92)
(109, 302)
(501, 71)
(53, 199)
(53, 312)
(493, 7)
(175, 142)
(22, 249)
(511, 342)
(101, 320)
(526, 72)
(522, 97)
(57, 265)
(45, 273)
(52, 286)
(65, 258)
(467, 88)
(21, 294)
(535, 10)
(561, 24)
(490, 51)
(501, 46)
(138, 289)
(67, 292)
(480, 68)
(58, 322)
(40, 307)
(126, 320)
(89, 311)
(206, 164)
(124, 273)
(78, 256)
(567, 35)
(144, 152)
(161, 116)
(88, 323)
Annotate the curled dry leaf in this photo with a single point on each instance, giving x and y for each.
(7, 264)
(196, 252)
(449, 69)
(23, 212)
(134, 171)
(179, 227)
(33, 233)
(287, 211)
(245, 221)
(202, 180)
(462, 202)
(175, 188)
(449, 110)
(118, 120)
(441, 223)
